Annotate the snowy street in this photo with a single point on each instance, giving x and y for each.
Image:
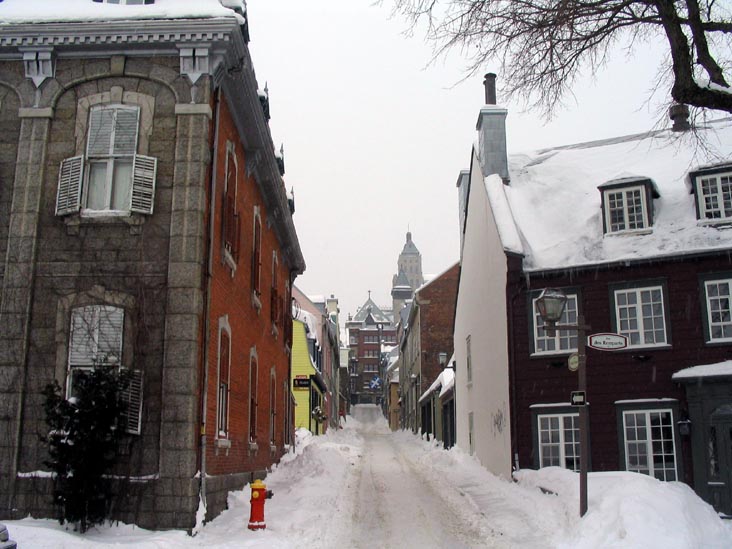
(363, 486)
(396, 506)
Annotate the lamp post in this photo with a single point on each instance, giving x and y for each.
(551, 304)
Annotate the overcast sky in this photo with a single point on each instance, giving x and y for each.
(375, 135)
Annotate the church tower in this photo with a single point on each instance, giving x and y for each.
(409, 275)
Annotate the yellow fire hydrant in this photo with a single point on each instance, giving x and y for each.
(259, 494)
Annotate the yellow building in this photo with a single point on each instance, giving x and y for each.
(307, 382)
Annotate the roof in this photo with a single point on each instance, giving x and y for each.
(370, 308)
(402, 280)
(409, 247)
(39, 11)
(705, 370)
(551, 211)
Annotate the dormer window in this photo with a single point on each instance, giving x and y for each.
(627, 205)
(713, 190)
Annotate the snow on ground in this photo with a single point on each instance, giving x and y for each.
(363, 486)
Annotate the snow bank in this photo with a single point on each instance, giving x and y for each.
(315, 493)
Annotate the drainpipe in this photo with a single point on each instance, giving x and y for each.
(207, 294)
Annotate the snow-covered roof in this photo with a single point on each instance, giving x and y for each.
(311, 323)
(705, 370)
(551, 210)
(42, 11)
(445, 381)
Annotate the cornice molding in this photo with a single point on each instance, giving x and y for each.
(104, 33)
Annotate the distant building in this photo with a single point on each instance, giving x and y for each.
(408, 277)
(368, 329)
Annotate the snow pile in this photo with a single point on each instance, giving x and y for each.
(633, 510)
(705, 370)
(319, 502)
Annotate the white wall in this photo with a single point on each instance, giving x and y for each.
(481, 313)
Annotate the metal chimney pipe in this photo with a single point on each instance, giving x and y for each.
(490, 88)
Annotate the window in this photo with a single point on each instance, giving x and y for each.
(96, 339)
(469, 362)
(625, 209)
(253, 398)
(224, 377)
(649, 443)
(471, 434)
(714, 196)
(256, 253)
(719, 311)
(563, 341)
(274, 301)
(640, 315)
(230, 218)
(272, 407)
(113, 178)
(558, 440)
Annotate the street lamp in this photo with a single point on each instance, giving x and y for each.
(551, 305)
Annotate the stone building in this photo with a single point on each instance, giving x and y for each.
(141, 198)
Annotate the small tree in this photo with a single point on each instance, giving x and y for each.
(82, 442)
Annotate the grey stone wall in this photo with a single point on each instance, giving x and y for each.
(151, 265)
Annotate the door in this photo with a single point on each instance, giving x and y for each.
(719, 452)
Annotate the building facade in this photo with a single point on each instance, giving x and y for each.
(368, 330)
(633, 231)
(147, 227)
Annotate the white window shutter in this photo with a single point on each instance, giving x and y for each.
(113, 131)
(125, 130)
(82, 341)
(144, 171)
(109, 341)
(132, 396)
(101, 129)
(68, 194)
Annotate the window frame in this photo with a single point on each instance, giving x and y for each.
(76, 173)
(697, 179)
(704, 280)
(133, 395)
(223, 404)
(256, 259)
(559, 414)
(253, 401)
(647, 407)
(638, 287)
(230, 216)
(111, 158)
(647, 193)
(560, 335)
(82, 363)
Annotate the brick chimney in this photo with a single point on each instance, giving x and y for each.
(492, 133)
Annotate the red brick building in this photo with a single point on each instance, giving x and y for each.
(427, 336)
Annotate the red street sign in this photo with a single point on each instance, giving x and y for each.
(607, 342)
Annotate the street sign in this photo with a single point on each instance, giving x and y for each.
(607, 342)
(573, 362)
(301, 382)
(375, 383)
(578, 398)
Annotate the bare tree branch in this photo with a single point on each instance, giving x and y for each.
(541, 46)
